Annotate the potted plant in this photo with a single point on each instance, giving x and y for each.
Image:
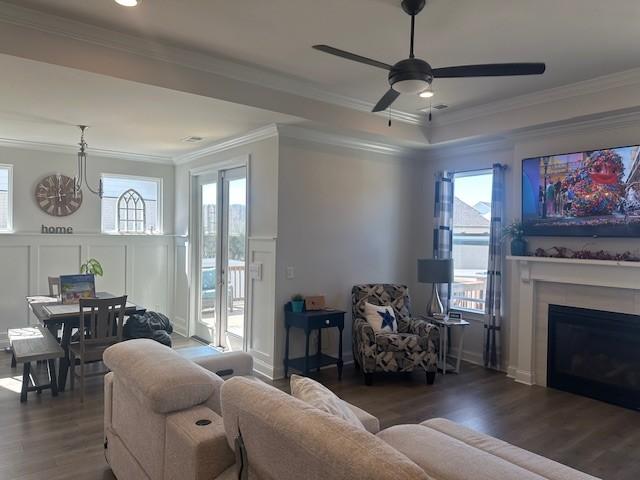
(515, 231)
(297, 303)
(92, 267)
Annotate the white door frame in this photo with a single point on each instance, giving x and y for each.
(195, 205)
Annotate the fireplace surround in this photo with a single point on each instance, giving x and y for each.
(535, 283)
(595, 353)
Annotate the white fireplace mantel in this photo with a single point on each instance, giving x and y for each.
(598, 273)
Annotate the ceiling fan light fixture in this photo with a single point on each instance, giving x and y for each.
(410, 86)
(129, 3)
(427, 92)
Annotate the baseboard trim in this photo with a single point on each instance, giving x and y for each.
(525, 377)
(264, 369)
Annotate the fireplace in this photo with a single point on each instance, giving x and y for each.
(595, 353)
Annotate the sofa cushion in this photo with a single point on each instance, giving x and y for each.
(445, 458)
(548, 469)
(159, 377)
(382, 318)
(398, 342)
(286, 439)
(319, 396)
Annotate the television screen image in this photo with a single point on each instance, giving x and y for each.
(593, 193)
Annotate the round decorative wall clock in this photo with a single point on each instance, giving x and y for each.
(55, 196)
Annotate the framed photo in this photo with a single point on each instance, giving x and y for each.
(75, 287)
(314, 302)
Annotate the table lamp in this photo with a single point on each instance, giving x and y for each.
(435, 272)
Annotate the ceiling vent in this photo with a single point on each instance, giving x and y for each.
(192, 139)
(440, 106)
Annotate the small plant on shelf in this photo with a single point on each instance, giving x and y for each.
(92, 267)
(515, 231)
(297, 303)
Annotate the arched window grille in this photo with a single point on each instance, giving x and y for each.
(131, 212)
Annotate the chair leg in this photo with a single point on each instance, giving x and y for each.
(368, 379)
(72, 371)
(13, 359)
(431, 378)
(81, 379)
(53, 379)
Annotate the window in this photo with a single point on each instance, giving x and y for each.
(471, 223)
(5, 198)
(131, 204)
(131, 213)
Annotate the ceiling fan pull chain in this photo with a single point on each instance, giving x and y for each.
(413, 29)
(429, 110)
(389, 110)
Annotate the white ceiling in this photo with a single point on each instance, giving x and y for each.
(578, 39)
(41, 102)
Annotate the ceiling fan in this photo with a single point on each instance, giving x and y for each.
(414, 75)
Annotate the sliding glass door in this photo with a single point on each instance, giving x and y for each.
(222, 201)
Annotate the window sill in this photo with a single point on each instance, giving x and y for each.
(124, 234)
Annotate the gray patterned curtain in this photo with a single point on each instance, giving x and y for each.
(443, 226)
(493, 299)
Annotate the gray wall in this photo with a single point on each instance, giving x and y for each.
(344, 217)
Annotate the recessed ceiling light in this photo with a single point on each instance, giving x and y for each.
(129, 3)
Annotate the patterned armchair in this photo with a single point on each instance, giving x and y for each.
(415, 345)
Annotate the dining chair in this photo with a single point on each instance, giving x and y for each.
(101, 322)
(54, 286)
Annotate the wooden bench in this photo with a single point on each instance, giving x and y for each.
(30, 345)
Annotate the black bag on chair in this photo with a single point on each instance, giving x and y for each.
(152, 325)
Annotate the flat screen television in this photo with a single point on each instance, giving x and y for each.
(592, 193)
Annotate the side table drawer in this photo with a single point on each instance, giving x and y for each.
(326, 321)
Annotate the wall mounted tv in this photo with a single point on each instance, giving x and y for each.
(593, 193)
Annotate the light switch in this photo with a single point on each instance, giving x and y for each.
(291, 273)
(255, 270)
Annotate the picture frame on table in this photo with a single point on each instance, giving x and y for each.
(75, 287)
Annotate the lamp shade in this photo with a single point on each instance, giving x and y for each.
(435, 271)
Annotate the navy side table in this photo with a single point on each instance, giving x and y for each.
(309, 321)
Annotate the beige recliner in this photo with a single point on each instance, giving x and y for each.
(162, 412)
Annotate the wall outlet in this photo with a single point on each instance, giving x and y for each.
(291, 273)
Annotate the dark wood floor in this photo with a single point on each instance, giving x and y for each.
(59, 439)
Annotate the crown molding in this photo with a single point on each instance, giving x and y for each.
(469, 147)
(586, 87)
(344, 141)
(148, 48)
(228, 143)
(299, 133)
(613, 121)
(73, 149)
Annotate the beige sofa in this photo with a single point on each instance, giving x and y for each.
(162, 412)
(168, 418)
(286, 439)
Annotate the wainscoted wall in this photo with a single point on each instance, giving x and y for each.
(261, 158)
(140, 266)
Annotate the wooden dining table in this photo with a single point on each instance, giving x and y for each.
(67, 321)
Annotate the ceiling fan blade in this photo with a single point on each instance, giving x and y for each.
(386, 101)
(352, 56)
(490, 70)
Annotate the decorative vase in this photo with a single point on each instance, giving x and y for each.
(518, 247)
(297, 306)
